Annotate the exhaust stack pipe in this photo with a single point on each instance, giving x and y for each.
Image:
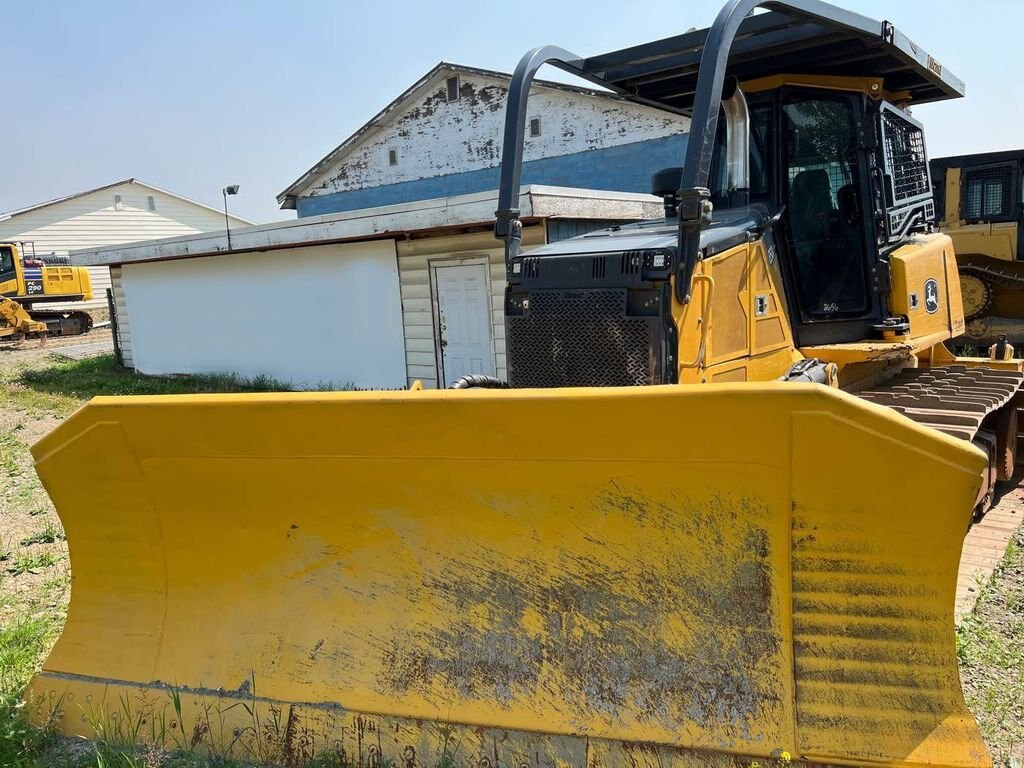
(737, 142)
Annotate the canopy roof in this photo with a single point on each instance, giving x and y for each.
(822, 40)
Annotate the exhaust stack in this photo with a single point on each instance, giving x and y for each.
(737, 142)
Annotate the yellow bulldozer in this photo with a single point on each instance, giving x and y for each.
(713, 518)
(980, 206)
(28, 281)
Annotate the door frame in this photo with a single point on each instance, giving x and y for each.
(480, 259)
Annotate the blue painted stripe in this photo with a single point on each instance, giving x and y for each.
(624, 168)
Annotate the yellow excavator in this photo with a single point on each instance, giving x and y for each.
(980, 206)
(28, 281)
(713, 518)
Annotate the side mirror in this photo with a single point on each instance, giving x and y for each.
(665, 184)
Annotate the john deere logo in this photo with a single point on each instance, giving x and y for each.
(931, 296)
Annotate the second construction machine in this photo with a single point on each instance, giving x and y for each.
(713, 517)
(31, 283)
(981, 207)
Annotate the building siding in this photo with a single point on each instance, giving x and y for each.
(450, 148)
(92, 221)
(624, 168)
(354, 287)
(415, 258)
(124, 327)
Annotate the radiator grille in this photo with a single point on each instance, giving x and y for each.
(581, 338)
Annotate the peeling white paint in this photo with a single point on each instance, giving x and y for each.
(435, 137)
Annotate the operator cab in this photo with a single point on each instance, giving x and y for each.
(810, 166)
(819, 162)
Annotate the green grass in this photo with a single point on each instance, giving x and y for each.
(21, 644)
(990, 648)
(10, 447)
(31, 563)
(62, 387)
(48, 535)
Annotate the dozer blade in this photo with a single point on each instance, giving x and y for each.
(666, 576)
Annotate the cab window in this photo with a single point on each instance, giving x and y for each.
(988, 193)
(760, 172)
(761, 150)
(6, 262)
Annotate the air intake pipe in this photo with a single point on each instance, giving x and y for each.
(737, 143)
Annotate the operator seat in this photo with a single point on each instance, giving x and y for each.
(811, 214)
(810, 208)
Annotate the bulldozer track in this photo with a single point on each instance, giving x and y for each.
(997, 275)
(952, 399)
(980, 317)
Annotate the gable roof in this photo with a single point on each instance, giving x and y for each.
(55, 201)
(287, 198)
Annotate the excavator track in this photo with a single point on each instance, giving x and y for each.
(59, 323)
(973, 404)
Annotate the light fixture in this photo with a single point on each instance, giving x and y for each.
(230, 189)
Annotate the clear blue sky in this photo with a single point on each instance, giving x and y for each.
(191, 96)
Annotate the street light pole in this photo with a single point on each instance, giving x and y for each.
(231, 189)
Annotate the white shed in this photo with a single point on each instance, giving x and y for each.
(376, 298)
(122, 212)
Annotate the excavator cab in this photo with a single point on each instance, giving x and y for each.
(754, 561)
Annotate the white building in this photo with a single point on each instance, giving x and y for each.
(443, 135)
(376, 298)
(123, 212)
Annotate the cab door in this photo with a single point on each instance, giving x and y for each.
(824, 182)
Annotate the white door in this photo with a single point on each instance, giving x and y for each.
(464, 314)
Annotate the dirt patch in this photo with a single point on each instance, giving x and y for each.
(34, 569)
(604, 635)
(31, 353)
